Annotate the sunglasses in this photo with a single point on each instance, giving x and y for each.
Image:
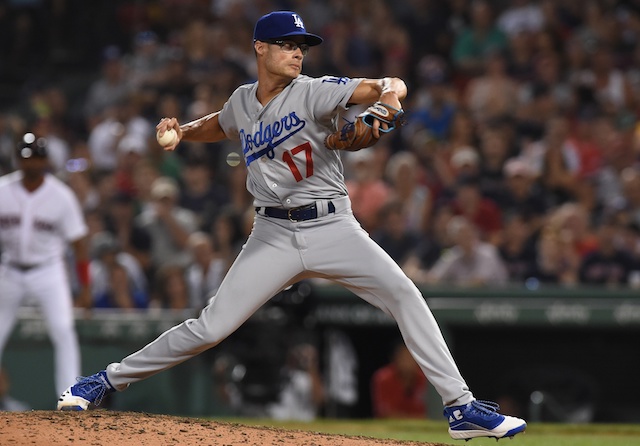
(289, 46)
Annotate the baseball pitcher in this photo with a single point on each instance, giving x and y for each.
(287, 126)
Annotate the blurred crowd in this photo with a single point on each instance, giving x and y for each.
(520, 162)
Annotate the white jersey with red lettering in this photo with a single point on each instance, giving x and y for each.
(35, 231)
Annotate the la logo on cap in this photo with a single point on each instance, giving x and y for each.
(298, 21)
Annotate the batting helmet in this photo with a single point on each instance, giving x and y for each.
(30, 146)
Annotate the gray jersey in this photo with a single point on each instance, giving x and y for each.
(283, 142)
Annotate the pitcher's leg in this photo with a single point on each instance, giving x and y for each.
(261, 270)
(359, 264)
(421, 334)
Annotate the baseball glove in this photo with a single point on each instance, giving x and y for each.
(359, 134)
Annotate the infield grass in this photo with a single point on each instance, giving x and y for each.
(537, 434)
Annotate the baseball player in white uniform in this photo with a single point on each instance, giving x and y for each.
(304, 226)
(39, 217)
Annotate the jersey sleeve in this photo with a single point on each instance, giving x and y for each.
(73, 225)
(329, 94)
(226, 119)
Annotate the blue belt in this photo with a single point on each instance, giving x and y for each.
(302, 213)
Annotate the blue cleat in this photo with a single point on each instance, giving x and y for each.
(481, 419)
(86, 391)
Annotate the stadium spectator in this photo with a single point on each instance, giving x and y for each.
(574, 223)
(111, 87)
(170, 290)
(117, 279)
(494, 93)
(302, 392)
(131, 150)
(347, 50)
(631, 190)
(618, 156)
(565, 239)
(146, 65)
(611, 86)
(398, 389)
(463, 131)
(367, 189)
(82, 184)
(201, 191)
(470, 262)
(431, 245)
(584, 143)
(435, 105)
(206, 271)
(494, 151)
(548, 74)
(534, 112)
(461, 137)
(517, 248)
(464, 163)
(144, 176)
(432, 164)
(476, 41)
(520, 57)
(123, 118)
(119, 220)
(393, 235)
(560, 166)
(521, 16)
(201, 56)
(168, 224)
(522, 194)
(402, 170)
(393, 40)
(608, 264)
(483, 212)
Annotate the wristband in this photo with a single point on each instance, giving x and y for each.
(82, 269)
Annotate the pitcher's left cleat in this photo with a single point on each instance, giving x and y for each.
(86, 391)
(481, 419)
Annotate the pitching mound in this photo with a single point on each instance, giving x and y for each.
(107, 428)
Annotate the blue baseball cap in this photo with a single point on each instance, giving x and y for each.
(279, 24)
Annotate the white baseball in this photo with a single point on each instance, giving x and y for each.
(168, 138)
(233, 159)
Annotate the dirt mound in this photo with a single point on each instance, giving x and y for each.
(108, 428)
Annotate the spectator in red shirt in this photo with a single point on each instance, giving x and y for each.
(583, 141)
(398, 389)
(483, 212)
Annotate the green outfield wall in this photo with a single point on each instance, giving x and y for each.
(506, 341)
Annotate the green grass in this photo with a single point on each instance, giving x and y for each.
(537, 434)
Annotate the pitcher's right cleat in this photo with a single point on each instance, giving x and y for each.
(86, 391)
(481, 419)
